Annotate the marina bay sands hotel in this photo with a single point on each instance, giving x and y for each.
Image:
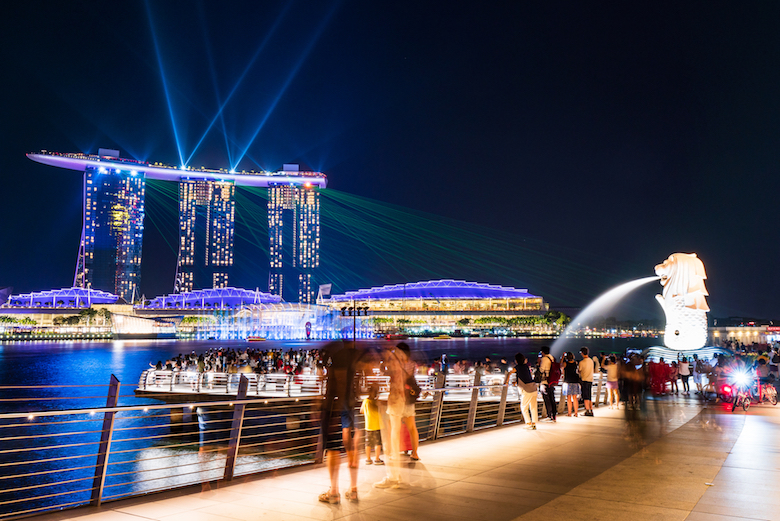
(110, 252)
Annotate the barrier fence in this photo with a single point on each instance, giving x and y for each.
(53, 459)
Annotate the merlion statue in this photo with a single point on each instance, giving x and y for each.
(682, 276)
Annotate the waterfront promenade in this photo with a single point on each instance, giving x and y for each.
(684, 461)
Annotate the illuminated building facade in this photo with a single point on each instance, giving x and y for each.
(206, 233)
(441, 305)
(110, 253)
(111, 239)
(294, 240)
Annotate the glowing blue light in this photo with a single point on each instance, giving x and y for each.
(232, 170)
(134, 172)
(290, 77)
(164, 82)
(102, 170)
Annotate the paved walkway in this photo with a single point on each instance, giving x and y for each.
(684, 462)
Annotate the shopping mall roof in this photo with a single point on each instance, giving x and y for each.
(436, 289)
(63, 298)
(212, 298)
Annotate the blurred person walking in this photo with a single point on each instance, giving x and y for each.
(339, 403)
(400, 367)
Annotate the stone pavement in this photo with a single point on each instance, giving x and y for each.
(685, 462)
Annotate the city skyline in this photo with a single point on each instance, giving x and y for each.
(594, 140)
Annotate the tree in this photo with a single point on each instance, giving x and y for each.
(88, 315)
(105, 315)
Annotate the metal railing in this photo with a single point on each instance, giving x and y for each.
(54, 459)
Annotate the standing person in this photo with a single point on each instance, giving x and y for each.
(339, 402)
(370, 409)
(684, 369)
(587, 367)
(399, 367)
(674, 373)
(571, 383)
(774, 361)
(610, 364)
(697, 368)
(528, 390)
(547, 386)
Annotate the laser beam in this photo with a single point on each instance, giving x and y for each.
(287, 82)
(240, 79)
(164, 82)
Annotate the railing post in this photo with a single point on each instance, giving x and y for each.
(502, 406)
(598, 391)
(235, 428)
(104, 449)
(473, 406)
(437, 404)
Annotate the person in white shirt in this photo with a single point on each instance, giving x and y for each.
(587, 366)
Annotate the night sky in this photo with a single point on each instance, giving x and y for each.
(604, 136)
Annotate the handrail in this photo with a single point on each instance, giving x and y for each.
(151, 447)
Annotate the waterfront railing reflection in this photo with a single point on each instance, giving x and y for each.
(54, 459)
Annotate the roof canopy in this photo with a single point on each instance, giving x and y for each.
(435, 290)
(212, 298)
(63, 298)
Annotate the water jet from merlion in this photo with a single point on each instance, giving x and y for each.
(683, 301)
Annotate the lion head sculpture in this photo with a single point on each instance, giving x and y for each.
(682, 275)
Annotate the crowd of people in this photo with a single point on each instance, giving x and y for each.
(628, 376)
(249, 360)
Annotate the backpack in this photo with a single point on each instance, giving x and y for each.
(776, 359)
(555, 373)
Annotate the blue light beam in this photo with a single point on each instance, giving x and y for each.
(287, 82)
(164, 82)
(240, 78)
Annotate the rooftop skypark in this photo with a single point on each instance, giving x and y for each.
(80, 162)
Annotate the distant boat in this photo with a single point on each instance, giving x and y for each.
(255, 339)
(396, 336)
(442, 337)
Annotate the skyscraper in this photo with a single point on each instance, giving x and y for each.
(206, 232)
(111, 240)
(294, 239)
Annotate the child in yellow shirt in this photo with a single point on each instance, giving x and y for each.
(370, 409)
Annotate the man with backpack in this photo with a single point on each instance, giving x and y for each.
(551, 374)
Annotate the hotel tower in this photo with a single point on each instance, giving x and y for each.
(109, 256)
